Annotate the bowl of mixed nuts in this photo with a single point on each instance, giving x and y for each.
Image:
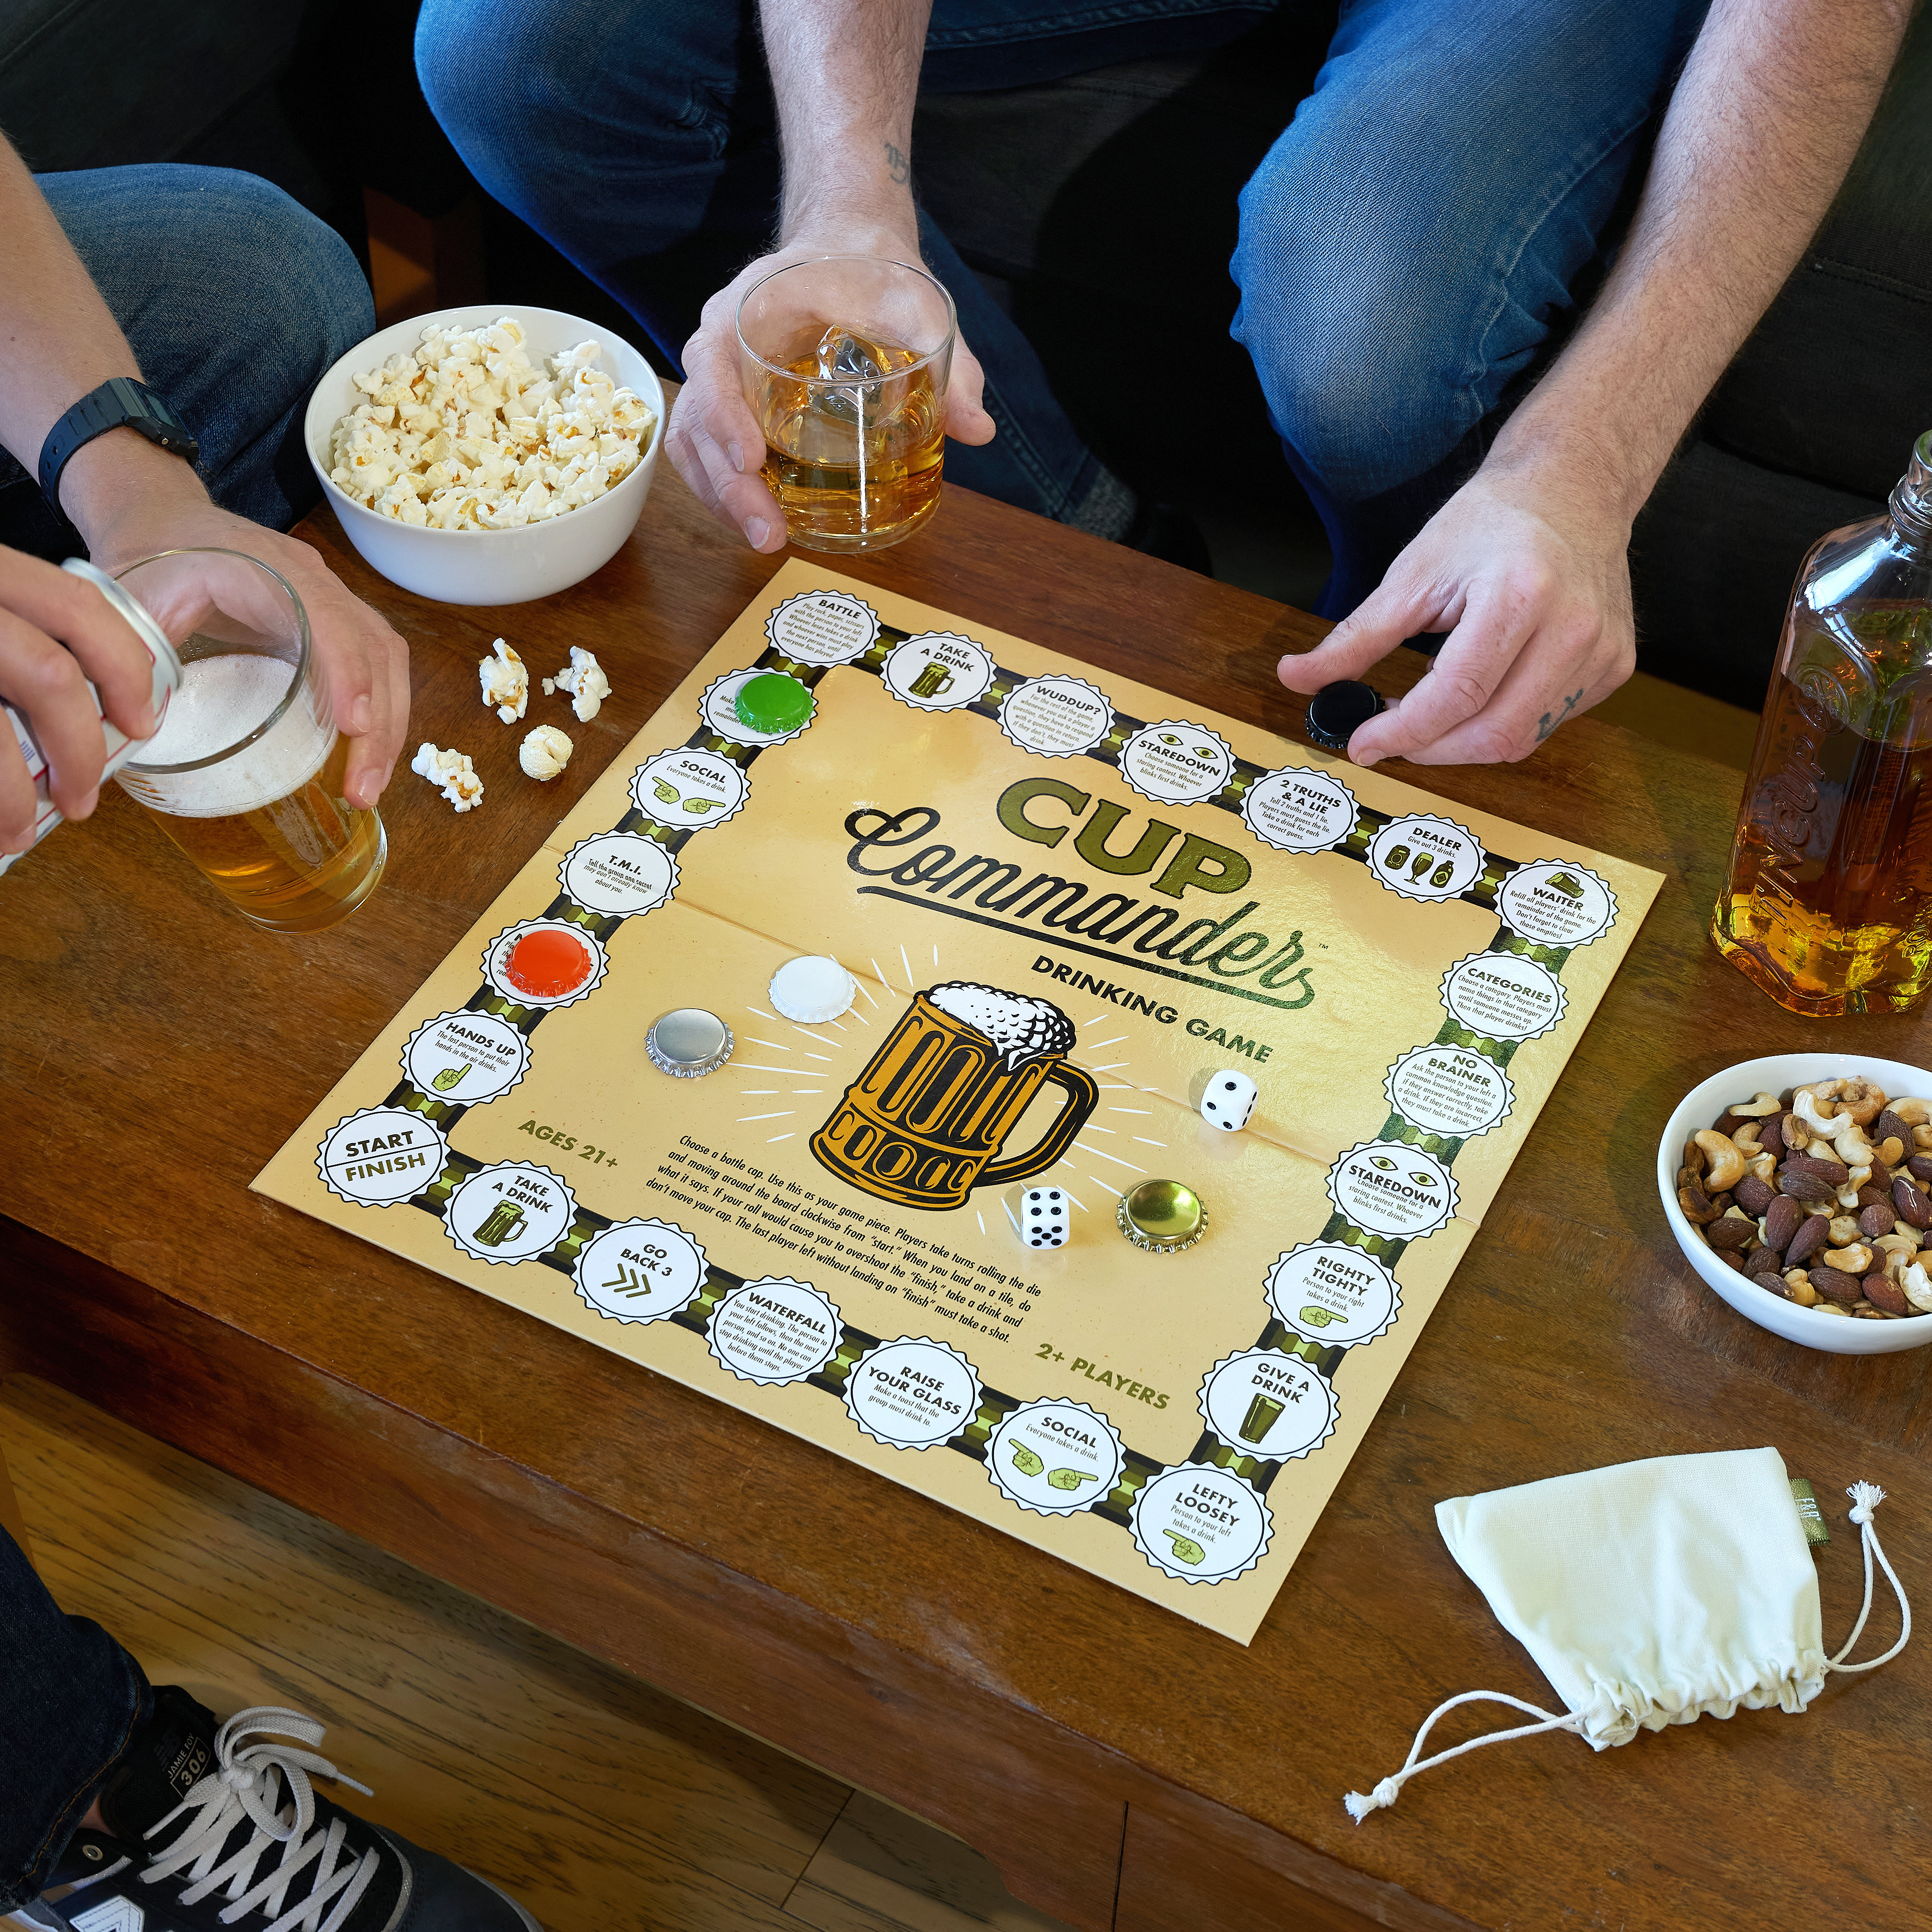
(1800, 1188)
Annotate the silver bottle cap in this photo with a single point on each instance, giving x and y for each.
(688, 1043)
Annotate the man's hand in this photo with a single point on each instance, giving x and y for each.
(58, 633)
(1535, 592)
(714, 438)
(131, 500)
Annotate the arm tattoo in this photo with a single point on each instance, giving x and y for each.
(1546, 724)
(897, 166)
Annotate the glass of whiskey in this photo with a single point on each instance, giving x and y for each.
(845, 361)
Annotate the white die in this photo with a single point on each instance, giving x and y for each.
(1228, 1100)
(1041, 1214)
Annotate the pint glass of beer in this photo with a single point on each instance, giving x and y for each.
(245, 773)
(845, 362)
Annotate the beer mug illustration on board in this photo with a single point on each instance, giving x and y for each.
(926, 1123)
(504, 1222)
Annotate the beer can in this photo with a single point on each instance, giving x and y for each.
(167, 676)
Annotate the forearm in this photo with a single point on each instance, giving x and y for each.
(845, 74)
(58, 342)
(1762, 126)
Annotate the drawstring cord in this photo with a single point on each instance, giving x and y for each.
(1385, 1793)
(1866, 1497)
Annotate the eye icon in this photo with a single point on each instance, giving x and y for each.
(1382, 1161)
(1423, 1180)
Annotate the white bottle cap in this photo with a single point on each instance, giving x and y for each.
(813, 989)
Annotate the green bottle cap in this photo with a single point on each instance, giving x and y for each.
(773, 703)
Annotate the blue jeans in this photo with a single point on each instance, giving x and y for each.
(70, 1698)
(235, 300)
(1405, 248)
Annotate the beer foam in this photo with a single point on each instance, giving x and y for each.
(221, 700)
(1023, 1028)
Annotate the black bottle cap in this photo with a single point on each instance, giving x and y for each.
(1335, 712)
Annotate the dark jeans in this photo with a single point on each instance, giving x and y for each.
(1406, 247)
(70, 1698)
(234, 302)
(235, 299)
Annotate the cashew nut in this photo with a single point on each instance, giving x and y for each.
(1799, 1289)
(1797, 1136)
(1746, 1137)
(1764, 1164)
(1861, 1100)
(1891, 1150)
(1844, 1229)
(1727, 1164)
(1831, 1308)
(1913, 1113)
(1921, 1139)
(1816, 1114)
(1904, 1238)
(1756, 1108)
(1854, 1260)
(1916, 1286)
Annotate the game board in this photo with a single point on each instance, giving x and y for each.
(815, 1233)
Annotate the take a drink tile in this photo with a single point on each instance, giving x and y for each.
(511, 1211)
(938, 671)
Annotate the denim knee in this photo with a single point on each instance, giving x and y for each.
(1362, 352)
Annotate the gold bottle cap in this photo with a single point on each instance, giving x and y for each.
(1163, 1217)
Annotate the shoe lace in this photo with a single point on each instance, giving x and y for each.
(249, 1783)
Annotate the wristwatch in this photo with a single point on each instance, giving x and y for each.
(120, 402)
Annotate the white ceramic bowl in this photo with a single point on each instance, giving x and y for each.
(489, 566)
(1777, 1074)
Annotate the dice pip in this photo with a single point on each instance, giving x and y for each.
(1041, 1214)
(1228, 1100)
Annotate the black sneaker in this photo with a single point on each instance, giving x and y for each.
(212, 1830)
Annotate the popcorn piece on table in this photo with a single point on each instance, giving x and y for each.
(583, 678)
(453, 771)
(465, 435)
(544, 753)
(506, 684)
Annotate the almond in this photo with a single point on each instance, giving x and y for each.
(1813, 1231)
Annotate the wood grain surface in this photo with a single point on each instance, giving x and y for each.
(1121, 1766)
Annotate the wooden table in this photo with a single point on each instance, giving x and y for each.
(1124, 1768)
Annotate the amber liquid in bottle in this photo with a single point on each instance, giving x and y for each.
(1828, 906)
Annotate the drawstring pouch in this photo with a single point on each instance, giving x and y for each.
(1650, 1594)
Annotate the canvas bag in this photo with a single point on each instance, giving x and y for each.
(1650, 1594)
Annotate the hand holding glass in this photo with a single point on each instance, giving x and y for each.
(246, 772)
(845, 362)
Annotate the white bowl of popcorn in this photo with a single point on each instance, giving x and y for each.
(486, 455)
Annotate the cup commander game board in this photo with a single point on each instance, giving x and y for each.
(925, 1233)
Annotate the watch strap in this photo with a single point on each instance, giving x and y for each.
(121, 401)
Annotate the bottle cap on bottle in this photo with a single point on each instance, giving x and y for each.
(773, 703)
(1336, 711)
